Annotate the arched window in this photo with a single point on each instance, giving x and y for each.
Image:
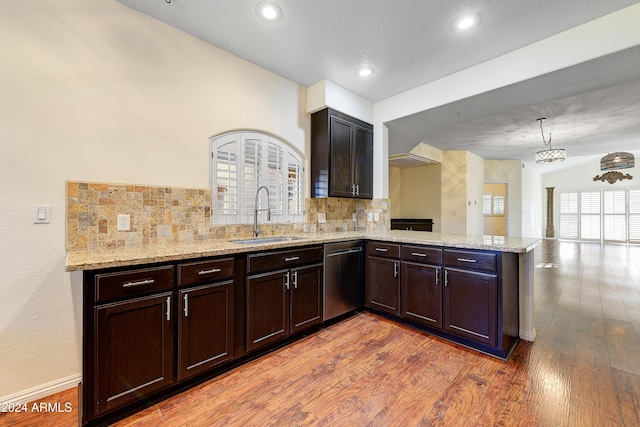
(242, 162)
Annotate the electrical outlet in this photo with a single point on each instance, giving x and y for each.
(376, 216)
(354, 218)
(124, 223)
(322, 217)
(369, 216)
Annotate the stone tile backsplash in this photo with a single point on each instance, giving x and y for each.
(163, 215)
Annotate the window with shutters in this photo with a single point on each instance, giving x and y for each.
(242, 162)
(609, 215)
(493, 204)
(568, 226)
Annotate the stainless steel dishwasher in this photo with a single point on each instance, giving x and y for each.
(342, 278)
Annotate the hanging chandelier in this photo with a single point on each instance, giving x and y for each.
(618, 160)
(550, 155)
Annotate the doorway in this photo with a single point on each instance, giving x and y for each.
(495, 209)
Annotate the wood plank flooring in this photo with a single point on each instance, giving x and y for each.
(582, 370)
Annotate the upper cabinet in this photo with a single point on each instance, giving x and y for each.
(341, 156)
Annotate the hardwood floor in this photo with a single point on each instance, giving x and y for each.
(582, 370)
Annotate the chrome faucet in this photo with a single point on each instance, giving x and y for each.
(256, 228)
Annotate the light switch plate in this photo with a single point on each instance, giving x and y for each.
(376, 216)
(41, 214)
(322, 217)
(124, 223)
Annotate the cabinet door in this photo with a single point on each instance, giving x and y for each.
(306, 301)
(267, 308)
(421, 294)
(471, 304)
(363, 162)
(340, 172)
(205, 328)
(382, 290)
(133, 350)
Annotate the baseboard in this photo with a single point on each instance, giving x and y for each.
(528, 335)
(42, 391)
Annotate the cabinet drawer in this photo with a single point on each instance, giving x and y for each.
(205, 271)
(384, 250)
(422, 254)
(486, 261)
(272, 261)
(128, 283)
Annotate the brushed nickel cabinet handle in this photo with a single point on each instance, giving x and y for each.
(293, 258)
(168, 308)
(213, 270)
(295, 280)
(467, 260)
(418, 254)
(138, 283)
(286, 280)
(186, 305)
(437, 276)
(382, 249)
(446, 278)
(395, 269)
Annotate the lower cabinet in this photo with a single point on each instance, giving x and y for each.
(382, 290)
(205, 327)
(464, 295)
(281, 304)
(471, 305)
(133, 350)
(421, 292)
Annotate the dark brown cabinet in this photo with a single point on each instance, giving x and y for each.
(284, 301)
(421, 285)
(132, 337)
(205, 315)
(470, 305)
(341, 156)
(468, 296)
(382, 290)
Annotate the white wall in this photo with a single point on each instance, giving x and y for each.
(453, 217)
(475, 192)
(93, 90)
(508, 172)
(532, 208)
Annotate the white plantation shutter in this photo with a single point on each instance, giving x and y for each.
(590, 215)
(568, 227)
(614, 206)
(634, 215)
(275, 178)
(241, 162)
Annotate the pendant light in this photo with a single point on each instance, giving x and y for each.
(550, 155)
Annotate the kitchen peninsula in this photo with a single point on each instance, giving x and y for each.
(483, 284)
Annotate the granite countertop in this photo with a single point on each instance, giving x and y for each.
(136, 255)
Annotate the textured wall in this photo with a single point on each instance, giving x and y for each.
(93, 91)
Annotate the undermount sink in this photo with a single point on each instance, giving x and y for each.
(263, 240)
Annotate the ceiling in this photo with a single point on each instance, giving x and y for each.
(592, 108)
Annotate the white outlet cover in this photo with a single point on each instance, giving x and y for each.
(124, 223)
(322, 217)
(376, 216)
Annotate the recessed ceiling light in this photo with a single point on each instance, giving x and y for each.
(365, 71)
(465, 22)
(269, 11)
